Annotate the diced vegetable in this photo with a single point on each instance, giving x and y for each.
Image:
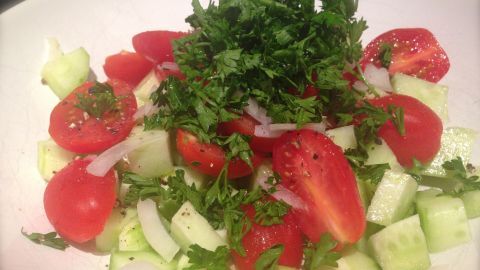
(193, 177)
(362, 244)
(131, 238)
(381, 153)
(343, 137)
(393, 198)
(354, 260)
(146, 87)
(444, 221)
(52, 158)
(471, 200)
(401, 246)
(119, 259)
(108, 239)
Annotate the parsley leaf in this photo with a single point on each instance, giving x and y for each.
(268, 260)
(373, 173)
(49, 239)
(200, 258)
(99, 100)
(269, 213)
(456, 169)
(321, 253)
(385, 54)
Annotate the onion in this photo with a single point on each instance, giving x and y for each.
(275, 130)
(169, 66)
(154, 230)
(378, 77)
(146, 110)
(257, 112)
(105, 161)
(139, 265)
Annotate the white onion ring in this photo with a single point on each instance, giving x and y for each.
(169, 66)
(257, 112)
(146, 110)
(378, 77)
(276, 130)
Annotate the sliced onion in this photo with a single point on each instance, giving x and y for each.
(378, 77)
(154, 230)
(146, 110)
(105, 161)
(139, 265)
(257, 112)
(169, 66)
(275, 130)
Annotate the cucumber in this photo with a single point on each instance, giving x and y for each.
(119, 259)
(392, 200)
(146, 87)
(189, 227)
(401, 246)
(445, 184)
(154, 159)
(364, 198)
(343, 137)
(261, 173)
(52, 158)
(183, 262)
(131, 238)
(455, 142)
(108, 239)
(371, 229)
(471, 200)
(353, 260)
(431, 94)
(427, 194)
(381, 153)
(192, 176)
(66, 72)
(444, 221)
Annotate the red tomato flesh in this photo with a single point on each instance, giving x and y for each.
(156, 46)
(76, 131)
(77, 203)
(261, 238)
(415, 51)
(210, 158)
(315, 169)
(245, 125)
(423, 130)
(128, 67)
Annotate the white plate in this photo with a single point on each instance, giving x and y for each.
(105, 27)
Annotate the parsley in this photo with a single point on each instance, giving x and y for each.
(99, 100)
(268, 260)
(456, 169)
(200, 258)
(321, 253)
(269, 213)
(385, 54)
(373, 173)
(49, 239)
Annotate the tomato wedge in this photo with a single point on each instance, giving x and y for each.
(245, 125)
(260, 238)
(77, 203)
(315, 169)
(423, 130)
(156, 45)
(415, 51)
(76, 131)
(210, 158)
(128, 67)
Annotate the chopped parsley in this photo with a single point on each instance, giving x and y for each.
(385, 55)
(456, 169)
(48, 239)
(200, 258)
(99, 100)
(321, 254)
(269, 213)
(268, 260)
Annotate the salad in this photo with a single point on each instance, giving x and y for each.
(264, 138)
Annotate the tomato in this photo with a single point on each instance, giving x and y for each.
(415, 51)
(315, 169)
(128, 67)
(77, 203)
(260, 238)
(76, 131)
(423, 130)
(210, 158)
(156, 45)
(246, 125)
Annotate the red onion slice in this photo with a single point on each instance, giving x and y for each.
(275, 130)
(146, 110)
(169, 66)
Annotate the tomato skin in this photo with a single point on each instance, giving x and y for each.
(128, 67)
(423, 130)
(415, 52)
(245, 125)
(261, 238)
(315, 169)
(77, 203)
(75, 131)
(210, 158)
(156, 45)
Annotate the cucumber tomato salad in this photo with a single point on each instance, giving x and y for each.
(265, 137)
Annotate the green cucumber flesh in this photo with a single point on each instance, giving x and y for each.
(119, 259)
(52, 158)
(131, 238)
(343, 137)
(471, 200)
(381, 153)
(108, 238)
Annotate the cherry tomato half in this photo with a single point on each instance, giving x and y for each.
(210, 158)
(128, 67)
(423, 130)
(156, 45)
(315, 169)
(76, 131)
(77, 203)
(415, 51)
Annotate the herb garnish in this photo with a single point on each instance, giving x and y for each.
(385, 55)
(49, 239)
(99, 100)
(200, 258)
(321, 253)
(456, 169)
(268, 260)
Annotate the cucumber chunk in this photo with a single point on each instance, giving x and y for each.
(52, 158)
(154, 159)
(393, 199)
(471, 200)
(66, 72)
(343, 137)
(119, 259)
(455, 142)
(192, 176)
(189, 227)
(431, 94)
(401, 246)
(146, 87)
(108, 239)
(371, 229)
(381, 153)
(183, 262)
(131, 238)
(444, 221)
(356, 260)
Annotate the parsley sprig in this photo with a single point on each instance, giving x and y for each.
(48, 239)
(321, 253)
(99, 100)
(456, 169)
(200, 258)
